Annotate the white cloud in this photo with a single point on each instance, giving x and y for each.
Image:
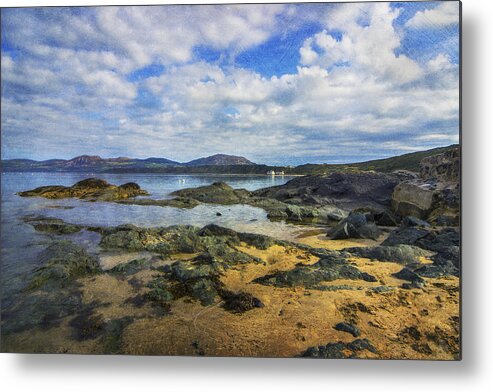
(445, 14)
(71, 81)
(368, 41)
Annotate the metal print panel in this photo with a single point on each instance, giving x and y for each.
(264, 180)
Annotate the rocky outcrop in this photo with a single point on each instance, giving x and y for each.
(91, 189)
(343, 190)
(443, 167)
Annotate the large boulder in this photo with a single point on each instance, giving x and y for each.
(436, 196)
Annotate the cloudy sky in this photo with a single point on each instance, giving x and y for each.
(278, 84)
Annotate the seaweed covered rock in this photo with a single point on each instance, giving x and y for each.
(217, 193)
(92, 189)
(215, 240)
(52, 225)
(329, 268)
(61, 263)
(239, 302)
(198, 279)
(356, 225)
(402, 254)
(340, 350)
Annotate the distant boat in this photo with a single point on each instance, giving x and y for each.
(274, 173)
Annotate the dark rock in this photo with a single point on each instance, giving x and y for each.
(340, 350)
(349, 328)
(259, 241)
(439, 241)
(356, 225)
(402, 254)
(343, 190)
(384, 218)
(310, 276)
(215, 230)
(407, 274)
(411, 221)
(239, 302)
(219, 214)
(405, 236)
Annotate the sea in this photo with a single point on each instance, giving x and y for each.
(21, 244)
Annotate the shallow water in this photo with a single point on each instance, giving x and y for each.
(21, 244)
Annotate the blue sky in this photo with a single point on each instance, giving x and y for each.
(278, 84)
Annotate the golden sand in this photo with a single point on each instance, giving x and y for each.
(401, 324)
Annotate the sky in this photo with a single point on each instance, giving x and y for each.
(277, 83)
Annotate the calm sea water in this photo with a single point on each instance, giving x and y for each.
(20, 244)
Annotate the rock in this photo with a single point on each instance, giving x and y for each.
(340, 350)
(407, 274)
(215, 230)
(436, 193)
(219, 214)
(51, 225)
(91, 189)
(342, 190)
(384, 218)
(405, 236)
(356, 225)
(239, 302)
(61, 263)
(349, 328)
(217, 193)
(411, 221)
(439, 240)
(413, 198)
(330, 268)
(402, 254)
(444, 167)
(259, 241)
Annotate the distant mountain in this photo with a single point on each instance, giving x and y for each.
(220, 159)
(160, 161)
(83, 161)
(218, 164)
